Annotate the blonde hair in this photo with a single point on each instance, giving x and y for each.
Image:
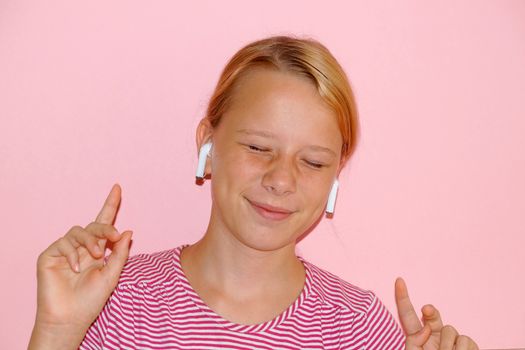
(305, 57)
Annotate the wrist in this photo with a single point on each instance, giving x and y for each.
(48, 336)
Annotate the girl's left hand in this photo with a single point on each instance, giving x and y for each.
(431, 335)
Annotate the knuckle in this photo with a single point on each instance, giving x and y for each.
(62, 241)
(109, 228)
(449, 329)
(105, 227)
(462, 340)
(64, 244)
(74, 230)
(84, 236)
(53, 244)
(91, 225)
(41, 258)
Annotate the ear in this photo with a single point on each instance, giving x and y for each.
(203, 135)
(342, 163)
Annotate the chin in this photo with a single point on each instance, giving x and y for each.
(266, 240)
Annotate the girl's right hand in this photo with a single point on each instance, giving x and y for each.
(74, 281)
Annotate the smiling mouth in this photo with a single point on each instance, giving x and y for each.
(269, 212)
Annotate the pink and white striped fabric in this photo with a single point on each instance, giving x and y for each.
(155, 307)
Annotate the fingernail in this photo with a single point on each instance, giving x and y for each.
(97, 250)
(77, 268)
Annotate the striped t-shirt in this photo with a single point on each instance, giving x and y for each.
(155, 307)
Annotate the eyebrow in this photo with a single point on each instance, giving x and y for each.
(272, 136)
(256, 132)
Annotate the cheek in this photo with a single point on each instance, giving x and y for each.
(238, 169)
(315, 194)
(314, 188)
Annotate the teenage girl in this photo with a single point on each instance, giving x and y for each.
(279, 128)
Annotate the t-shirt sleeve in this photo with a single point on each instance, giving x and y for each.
(383, 331)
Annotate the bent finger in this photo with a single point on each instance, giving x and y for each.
(66, 249)
(81, 237)
(464, 342)
(448, 338)
(432, 317)
(117, 259)
(103, 231)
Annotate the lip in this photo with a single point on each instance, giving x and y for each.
(270, 212)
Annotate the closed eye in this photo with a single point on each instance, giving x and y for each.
(256, 148)
(314, 165)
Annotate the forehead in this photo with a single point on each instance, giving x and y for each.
(271, 86)
(281, 102)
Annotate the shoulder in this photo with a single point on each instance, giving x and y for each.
(336, 292)
(149, 268)
(365, 314)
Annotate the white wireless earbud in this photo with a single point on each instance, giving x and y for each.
(330, 205)
(203, 154)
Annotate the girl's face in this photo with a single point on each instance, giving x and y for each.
(275, 155)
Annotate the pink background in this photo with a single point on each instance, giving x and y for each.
(93, 93)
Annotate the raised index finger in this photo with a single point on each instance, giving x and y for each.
(109, 209)
(407, 315)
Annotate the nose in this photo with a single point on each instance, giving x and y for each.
(280, 177)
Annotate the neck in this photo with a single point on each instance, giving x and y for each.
(223, 263)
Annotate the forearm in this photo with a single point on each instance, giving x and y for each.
(46, 337)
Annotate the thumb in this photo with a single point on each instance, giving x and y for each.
(117, 259)
(416, 340)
